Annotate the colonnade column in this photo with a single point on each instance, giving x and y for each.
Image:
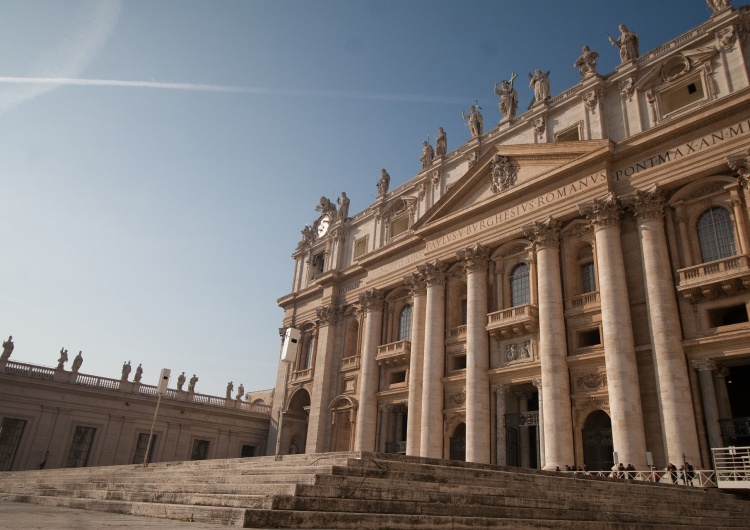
(500, 391)
(431, 432)
(670, 365)
(474, 261)
(319, 422)
(523, 431)
(537, 382)
(418, 286)
(722, 392)
(628, 433)
(558, 421)
(705, 369)
(372, 303)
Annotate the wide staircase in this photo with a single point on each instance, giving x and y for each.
(378, 491)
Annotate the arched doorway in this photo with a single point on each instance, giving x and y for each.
(458, 443)
(597, 442)
(344, 416)
(296, 416)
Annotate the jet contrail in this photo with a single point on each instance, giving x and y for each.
(199, 87)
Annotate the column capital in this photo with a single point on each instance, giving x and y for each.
(603, 212)
(474, 258)
(537, 382)
(328, 314)
(434, 272)
(704, 365)
(721, 371)
(417, 283)
(544, 234)
(501, 388)
(647, 205)
(372, 300)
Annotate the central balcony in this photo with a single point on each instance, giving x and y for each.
(394, 354)
(514, 322)
(710, 280)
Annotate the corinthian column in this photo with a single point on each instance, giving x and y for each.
(319, 424)
(431, 432)
(418, 286)
(500, 391)
(474, 261)
(705, 369)
(372, 303)
(558, 422)
(628, 434)
(670, 365)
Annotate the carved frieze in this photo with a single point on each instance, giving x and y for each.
(590, 99)
(540, 125)
(457, 399)
(518, 352)
(502, 173)
(726, 37)
(544, 234)
(591, 382)
(627, 88)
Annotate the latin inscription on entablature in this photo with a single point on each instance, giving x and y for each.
(537, 204)
(401, 263)
(681, 151)
(349, 286)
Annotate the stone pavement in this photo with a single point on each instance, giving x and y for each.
(22, 516)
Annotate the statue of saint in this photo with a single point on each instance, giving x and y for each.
(138, 373)
(427, 155)
(343, 203)
(77, 362)
(441, 143)
(540, 83)
(628, 44)
(191, 383)
(718, 5)
(63, 358)
(125, 371)
(475, 121)
(7, 349)
(586, 63)
(241, 392)
(181, 381)
(383, 183)
(230, 387)
(508, 97)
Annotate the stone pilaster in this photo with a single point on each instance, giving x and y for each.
(500, 390)
(705, 369)
(558, 421)
(628, 433)
(474, 260)
(372, 304)
(670, 365)
(722, 392)
(418, 285)
(431, 432)
(319, 422)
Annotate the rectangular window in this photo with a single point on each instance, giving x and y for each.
(398, 377)
(588, 338)
(681, 96)
(318, 264)
(726, 316)
(588, 282)
(200, 450)
(399, 226)
(247, 451)
(81, 446)
(360, 247)
(140, 448)
(570, 135)
(458, 362)
(10, 438)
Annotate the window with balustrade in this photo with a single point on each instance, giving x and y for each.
(716, 234)
(519, 285)
(404, 324)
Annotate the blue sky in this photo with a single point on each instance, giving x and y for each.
(158, 158)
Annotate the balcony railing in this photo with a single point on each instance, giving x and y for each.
(515, 321)
(350, 363)
(456, 334)
(394, 353)
(714, 278)
(584, 301)
(29, 370)
(302, 375)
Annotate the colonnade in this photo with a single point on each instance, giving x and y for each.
(425, 401)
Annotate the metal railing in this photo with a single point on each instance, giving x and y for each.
(699, 478)
(732, 466)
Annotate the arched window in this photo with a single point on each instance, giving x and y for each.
(404, 324)
(716, 234)
(309, 348)
(519, 285)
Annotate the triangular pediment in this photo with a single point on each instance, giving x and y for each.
(504, 172)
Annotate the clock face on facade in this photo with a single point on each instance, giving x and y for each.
(323, 224)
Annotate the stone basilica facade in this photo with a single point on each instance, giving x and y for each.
(570, 284)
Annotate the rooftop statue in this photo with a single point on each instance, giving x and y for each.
(628, 44)
(441, 143)
(191, 384)
(181, 381)
(138, 373)
(718, 5)
(325, 206)
(7, 349)
(383, 183)
(241, 391)
(508, 97)
(427, 155)
(77, 362)
(343, 202)
(540, 83)
(230, 387)
(586, 63)
(476, 121)
(63, 358)
(125, 371)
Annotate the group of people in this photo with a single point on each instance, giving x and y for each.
(686, 472)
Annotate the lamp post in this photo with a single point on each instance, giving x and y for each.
(161, 389)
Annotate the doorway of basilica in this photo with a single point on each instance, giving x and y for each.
(735, 416)
(597, 442)
(458, 443)
(295, 422)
